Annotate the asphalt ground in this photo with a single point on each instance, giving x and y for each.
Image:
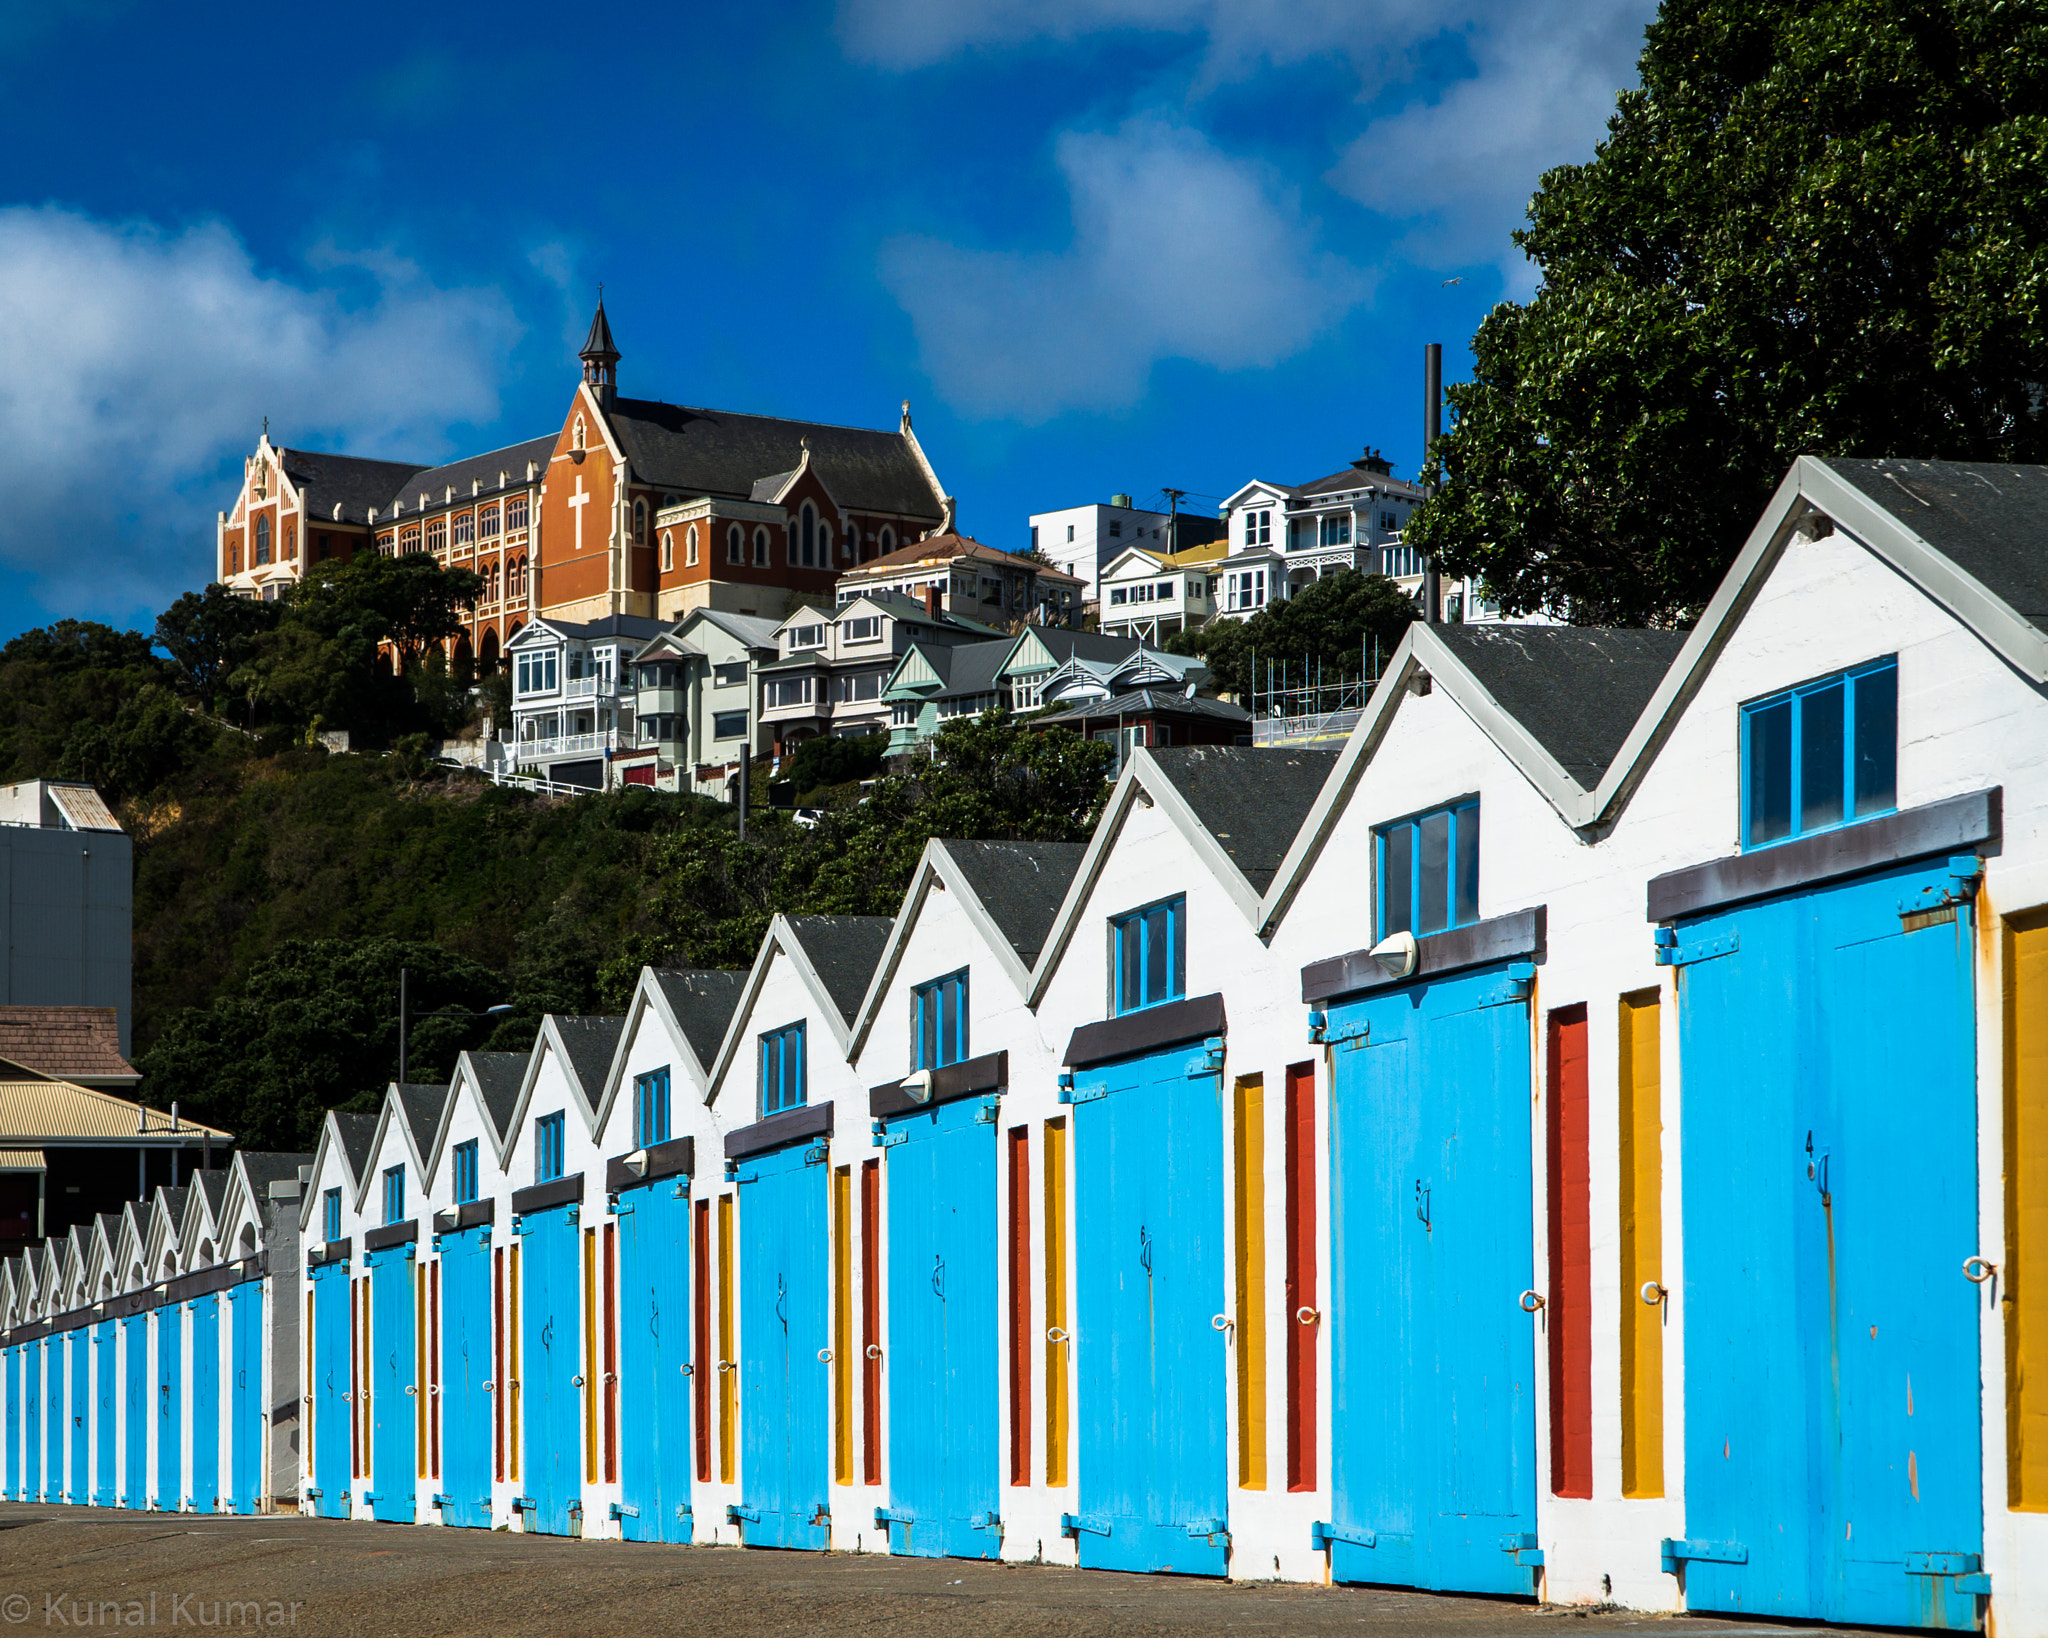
(90, 1569)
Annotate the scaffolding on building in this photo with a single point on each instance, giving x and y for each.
(1297, 702)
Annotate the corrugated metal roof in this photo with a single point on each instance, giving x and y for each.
(22, 1160)
(60, 1110)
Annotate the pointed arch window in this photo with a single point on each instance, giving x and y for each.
(735, 552)
(639, 523)
(887, 543)
(690, 547)
(810, 536)
(262, 540)
(668, 550)
(761, 548)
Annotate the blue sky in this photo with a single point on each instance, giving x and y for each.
(1099, 245)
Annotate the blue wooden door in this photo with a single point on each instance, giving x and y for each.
(170, 1408)
(1833, 1436)
(785, 1387)
(105, 1423)
(55, 1420)
(1433, 1431)
(245, 1395)
(654, 1361)
(330, 1432)
(550, 1361)
(394, 1386)
(10, 1460)
(465, 1369)
(1151, 1374)
(944, 1455)
(202, 1315)
(78, 1419)
(135, 1411)
(32, 1422)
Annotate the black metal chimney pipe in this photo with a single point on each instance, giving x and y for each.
(1432, 429)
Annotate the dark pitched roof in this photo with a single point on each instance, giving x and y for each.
(67, 1042)
(936, 549)
(1991, 521)
(1577, 689)
(174, 1204)
(436, 481)
(214, 1185)
(968, 668)
(348, 481)
(266, 1167)
(423, 1105)
(639, 626)
(356, 1133)
(717, 452)
(845, 950)
(1063, 644)
(589, 1044)
(598, 344)
(1252, 801)
(498, 1076)
(1020, 885)
(1161, 702)
(1358, 477)
(703, 1002)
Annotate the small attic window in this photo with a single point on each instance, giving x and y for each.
(1821, 755)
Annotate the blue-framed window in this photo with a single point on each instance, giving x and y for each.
(330, 1215)
(1149, 952)
(1428, 870)
(650, 1107)
(1820, 755)
(782, 1069)
(394, 1194)
(547, 1148)
(938, 1022)
(465, 1172)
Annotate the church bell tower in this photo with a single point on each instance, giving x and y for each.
(601, 359)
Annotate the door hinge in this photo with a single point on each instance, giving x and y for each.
(1958, 886)
(1351, 1032)
(1075, 1524)
(1522, 1543)
(1209, 1061)
(1321, 1535)
(1976, 1582)
(523, 1504)
(1673, 1553)
(1071, 1093)
(817, 1155)
(991, 1106)
(621, 1510)
(886, 1516)
(621, 1209)
(737, 1515)
(438, 1500)
(884, 1138)
(985, 1521)
(1943, 1563)
(1211, 1528)
(1671, 953)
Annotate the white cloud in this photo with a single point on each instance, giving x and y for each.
(1179, 251)
(137, 365)
(1456, 161)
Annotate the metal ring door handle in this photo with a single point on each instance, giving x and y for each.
(1055, 1334)
(609, 1376)
(490, 1387)
(434, 1388)
(824, 1356)
(1223, 1322)
(1978, 1269)
(1306, 1315)
(575, 1381)
(726, 1365)
(874, 1350)
(1652, 1293)
(686, 1370)
(1531, 1301)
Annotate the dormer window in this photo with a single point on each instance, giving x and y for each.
(807, 637)
(1258, 528)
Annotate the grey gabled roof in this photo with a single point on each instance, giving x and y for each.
(755, 630)
(1578, 690)
(703, 1002)
(356, 485)
(1356, 477)
(1064, 644)
(174, 1204)
(266, 1167)
(1020, 884)
(1140, 702)
(1991, 521)
(844, 951)
(718, 452)
(1251, 800)
(639, 626)
(483, 469)
(589, 1043)
(357, 1132)
(968, 668)
(423, 1105)
(498, 1077)
(214, 1185)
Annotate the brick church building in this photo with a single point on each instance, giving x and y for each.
(633, 507)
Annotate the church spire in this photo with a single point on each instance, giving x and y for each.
(601, 358)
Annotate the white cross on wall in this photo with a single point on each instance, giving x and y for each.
(577, 502)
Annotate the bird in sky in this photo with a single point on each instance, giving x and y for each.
(1460, 279)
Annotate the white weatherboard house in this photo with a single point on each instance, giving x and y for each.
(1580, 1140)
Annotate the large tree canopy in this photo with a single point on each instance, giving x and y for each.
(1814, 229)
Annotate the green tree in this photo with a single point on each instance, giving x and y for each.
(208, 634)
(79, 645)
(832, 760)
(1331, 628)
(1814, 229)
(315, 1025)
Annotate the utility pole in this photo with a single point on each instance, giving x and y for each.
(1432, 429)
(1173, 499)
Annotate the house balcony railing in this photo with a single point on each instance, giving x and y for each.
(580, 688)
(546, 750)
